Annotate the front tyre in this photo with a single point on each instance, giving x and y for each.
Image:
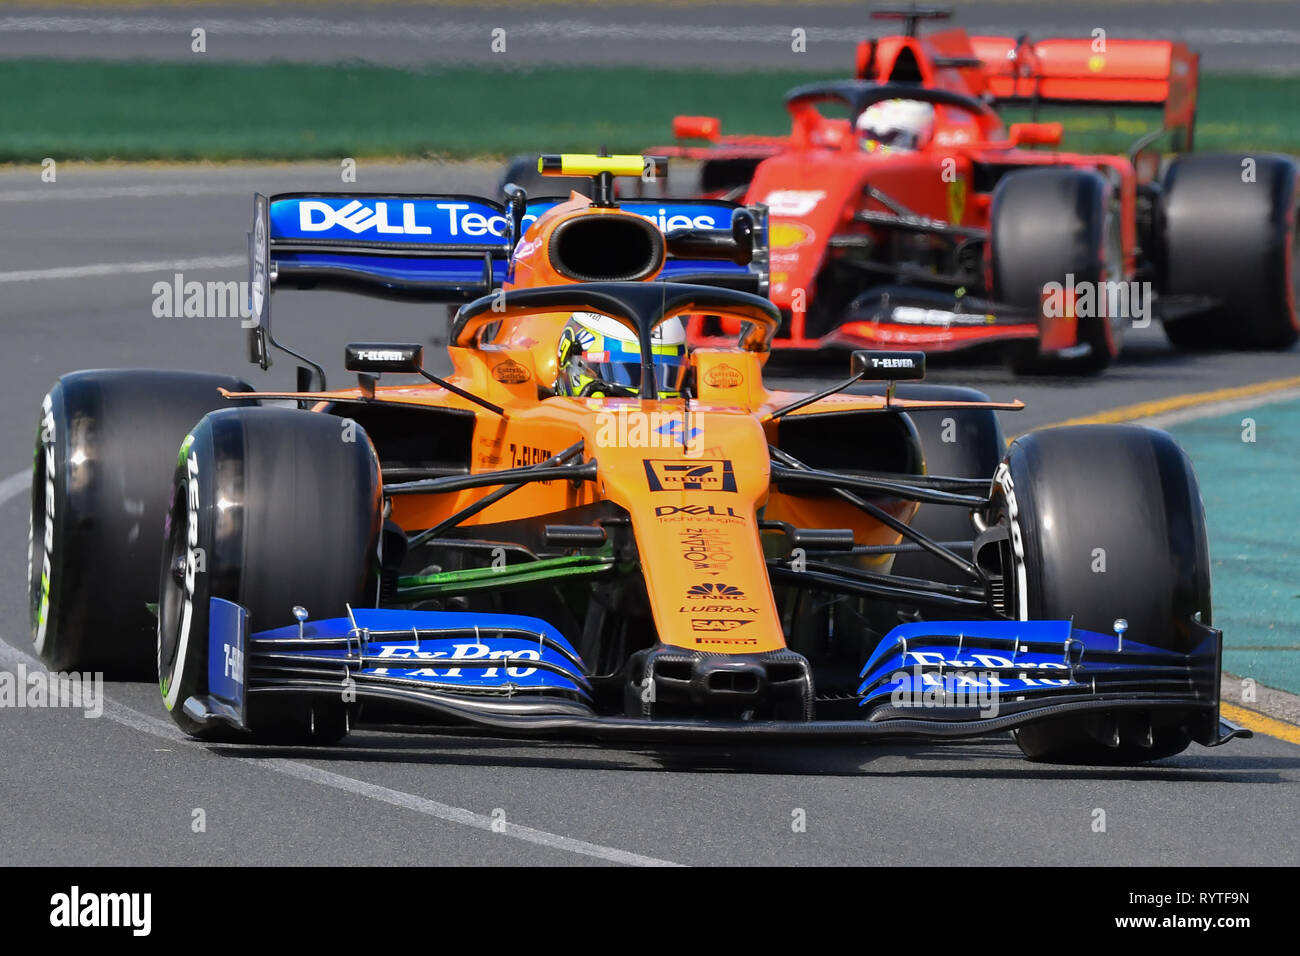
(270, 508)
(105, 447)
(1110, 525)
(1057, 225)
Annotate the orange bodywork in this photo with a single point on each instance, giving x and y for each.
(692, 476)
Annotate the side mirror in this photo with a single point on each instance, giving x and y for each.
(735, 244)
(382, 357)
(1036, 134)
(697, 127)
(887, 366)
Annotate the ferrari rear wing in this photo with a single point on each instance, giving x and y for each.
(1094, 72)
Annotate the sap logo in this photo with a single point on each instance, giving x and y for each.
(716, 624)
(719, 591)
(357, 217)
(234, 662)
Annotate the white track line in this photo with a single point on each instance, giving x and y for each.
(122, 268)
(11, 656)
(429, 29)
(15, 485)
(55, 191)
(562, 29)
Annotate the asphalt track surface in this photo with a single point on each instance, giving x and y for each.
(1242, 35)
(78, 263)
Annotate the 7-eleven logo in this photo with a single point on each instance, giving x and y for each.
(694, 475)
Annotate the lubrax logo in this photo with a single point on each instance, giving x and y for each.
(76, 909)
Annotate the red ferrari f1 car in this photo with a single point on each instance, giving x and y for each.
(918, 220)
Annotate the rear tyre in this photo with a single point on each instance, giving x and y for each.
(271, 508)
(105, 446)
(1047, 224)
(1232, 242)
(1111, 526)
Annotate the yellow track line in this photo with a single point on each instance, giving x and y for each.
(1159, 406)
(1260, 723)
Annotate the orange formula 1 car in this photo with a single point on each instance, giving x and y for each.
(920, 221)
(587, 530)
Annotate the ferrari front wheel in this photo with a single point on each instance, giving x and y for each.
(1056, 243)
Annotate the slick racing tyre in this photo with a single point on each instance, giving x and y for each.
(105, 449)
(1110, 526)
(1229, 232)
(959, 443)
(1047, 224)
(270, 508)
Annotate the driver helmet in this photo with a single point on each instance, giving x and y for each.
(895, 125)
(599, 356)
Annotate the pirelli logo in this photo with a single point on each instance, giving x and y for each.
(701, 474)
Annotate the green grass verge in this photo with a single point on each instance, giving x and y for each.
(100, 110)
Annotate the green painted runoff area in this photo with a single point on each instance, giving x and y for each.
(1252, 504)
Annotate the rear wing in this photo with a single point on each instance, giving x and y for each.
(1095, 72)
(451, 248)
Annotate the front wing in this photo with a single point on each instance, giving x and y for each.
(518, 676)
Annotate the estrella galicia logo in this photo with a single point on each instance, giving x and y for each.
(711, 591)
(699, 475)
